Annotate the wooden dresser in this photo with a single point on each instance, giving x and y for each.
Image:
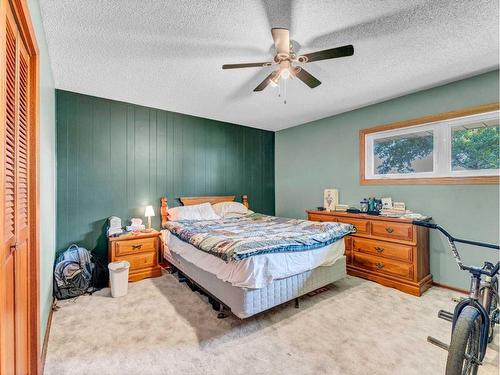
(140, 250)
(392, 252)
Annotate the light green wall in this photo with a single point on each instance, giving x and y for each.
(324, 154)
(47, 169)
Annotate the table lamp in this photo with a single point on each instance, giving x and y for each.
(148, 213)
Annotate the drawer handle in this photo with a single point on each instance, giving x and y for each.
(379, 250)
(135, 247)
(389, 230)
(379, 265)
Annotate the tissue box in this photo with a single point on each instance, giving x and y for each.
(135, 222)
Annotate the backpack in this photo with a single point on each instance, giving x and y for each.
(73, 273)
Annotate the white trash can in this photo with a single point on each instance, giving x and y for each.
(118, 278)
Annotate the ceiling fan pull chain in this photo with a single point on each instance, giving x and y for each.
(284, 91)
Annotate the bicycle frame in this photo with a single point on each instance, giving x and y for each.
(475, 299)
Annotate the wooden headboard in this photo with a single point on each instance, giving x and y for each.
(189, 201)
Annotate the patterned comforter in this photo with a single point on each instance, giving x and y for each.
(239, 238)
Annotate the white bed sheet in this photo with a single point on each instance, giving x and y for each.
(257, 271)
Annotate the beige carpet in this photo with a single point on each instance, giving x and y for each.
(161, 327)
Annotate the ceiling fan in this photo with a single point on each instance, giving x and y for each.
(286, 61)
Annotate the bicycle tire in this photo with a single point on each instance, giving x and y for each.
(493, 307)
(464, 340)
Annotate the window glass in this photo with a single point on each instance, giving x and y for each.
(475, 146)
(406, 153)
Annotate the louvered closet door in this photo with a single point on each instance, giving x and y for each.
(7, 344)
(15, 330)
(22, 225)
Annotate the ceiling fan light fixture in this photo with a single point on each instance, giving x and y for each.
(285, 67)
(274, 79)
(285, 59)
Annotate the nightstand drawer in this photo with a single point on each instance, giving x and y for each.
(398, 231)
(135, 246)
(383, 249)
(141, 260)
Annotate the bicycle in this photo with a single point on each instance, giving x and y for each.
(474, 317)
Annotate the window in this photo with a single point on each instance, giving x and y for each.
(446, 148)
(475, 146)
(404, 153)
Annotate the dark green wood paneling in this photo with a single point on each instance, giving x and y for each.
(114, 158)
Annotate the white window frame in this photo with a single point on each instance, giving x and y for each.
(442, 132)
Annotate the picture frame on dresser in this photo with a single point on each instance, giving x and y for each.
(390, 251)
(330, 199)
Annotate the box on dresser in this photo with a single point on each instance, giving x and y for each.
(390, 251)
(140, 250)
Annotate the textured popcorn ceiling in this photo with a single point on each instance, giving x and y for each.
(168, 54)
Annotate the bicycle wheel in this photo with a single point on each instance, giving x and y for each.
(464, 345)
(493, 309)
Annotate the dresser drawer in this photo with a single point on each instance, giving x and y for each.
(134, 246)
(399, 231)
(320, 217)
(141, 260)
(383, 265)
(383, 249)
(362, 226)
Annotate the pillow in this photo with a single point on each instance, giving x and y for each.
(231, 209)
(195, 212)
(230, 215)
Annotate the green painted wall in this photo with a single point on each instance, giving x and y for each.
(47, 168)
(114, 158)
(324, 153)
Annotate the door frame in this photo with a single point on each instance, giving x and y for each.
(21, 15)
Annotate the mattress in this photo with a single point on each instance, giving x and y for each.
(245, 302)
(258, 271)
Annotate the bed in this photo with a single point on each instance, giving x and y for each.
(247, 278)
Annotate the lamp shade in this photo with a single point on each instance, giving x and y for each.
(149, 211)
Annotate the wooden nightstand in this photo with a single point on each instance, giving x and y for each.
(140, 250)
